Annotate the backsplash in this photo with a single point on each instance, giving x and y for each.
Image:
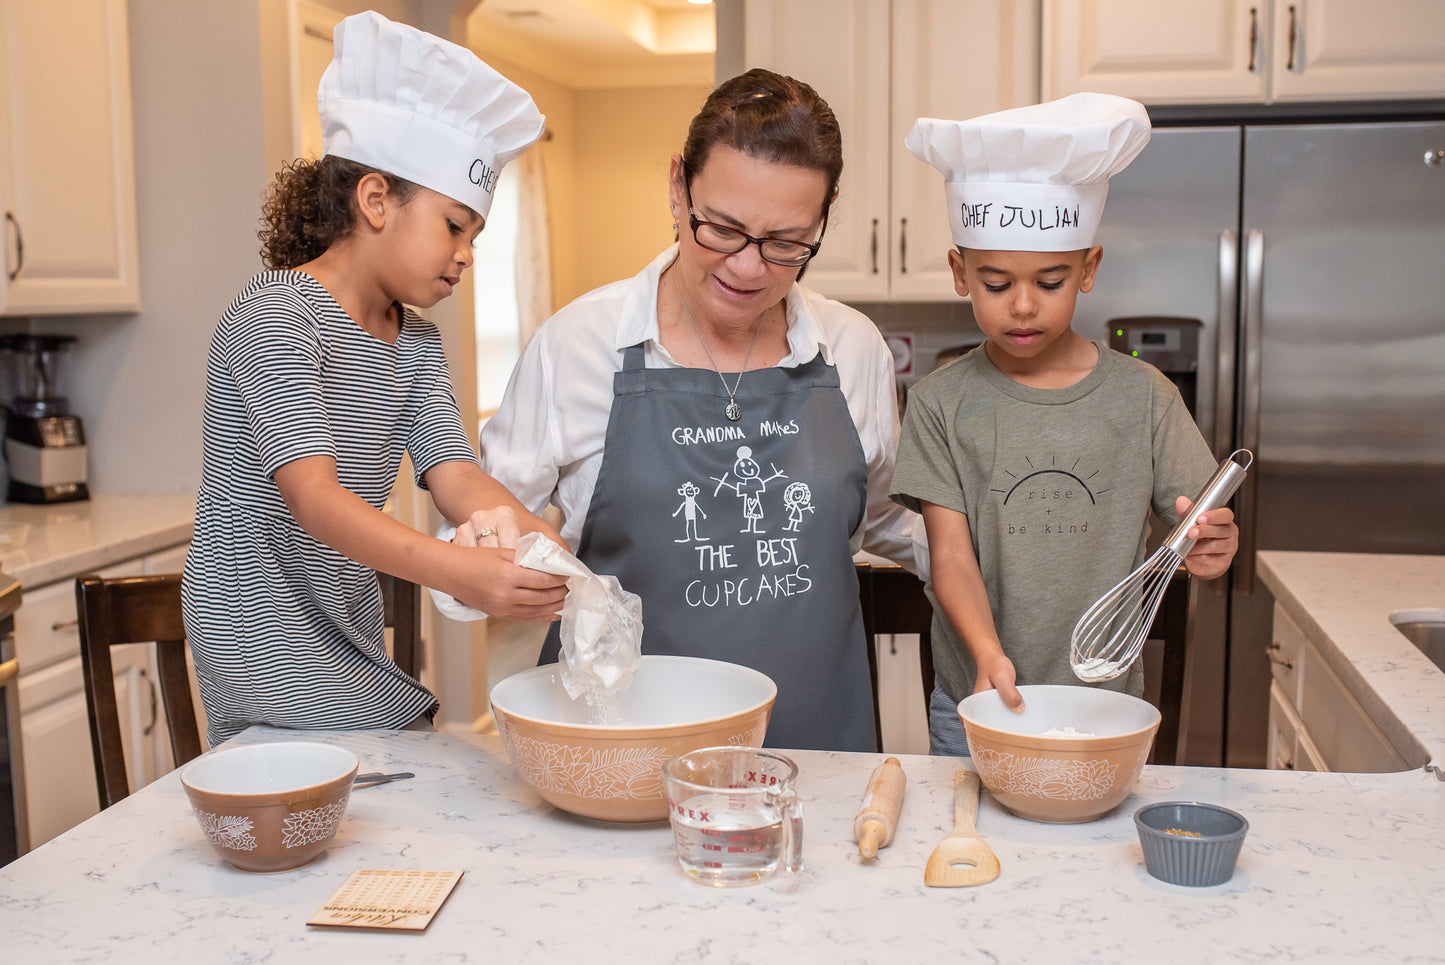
(932, 328)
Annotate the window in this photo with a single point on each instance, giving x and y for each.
(495, 283)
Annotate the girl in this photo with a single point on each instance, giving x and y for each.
(318, 381)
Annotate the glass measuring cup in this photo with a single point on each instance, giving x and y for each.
(735, 814)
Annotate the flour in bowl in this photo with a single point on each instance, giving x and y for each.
(1066, 732)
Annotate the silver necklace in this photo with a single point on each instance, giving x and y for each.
(733, 411)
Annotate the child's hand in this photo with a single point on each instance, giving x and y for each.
(997, 673)
(500, 588)
(1218, 540)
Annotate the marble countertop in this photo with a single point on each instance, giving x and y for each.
(1336, 868)
(1343, 602)
(42, 544)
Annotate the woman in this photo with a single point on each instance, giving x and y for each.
(671, 416)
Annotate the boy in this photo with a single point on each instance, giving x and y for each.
(1036, 458)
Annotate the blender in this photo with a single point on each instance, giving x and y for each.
(44, 442)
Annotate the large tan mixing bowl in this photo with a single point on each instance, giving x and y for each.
(1059, 778)
(613, 772)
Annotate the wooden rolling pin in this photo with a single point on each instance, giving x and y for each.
(878, 815)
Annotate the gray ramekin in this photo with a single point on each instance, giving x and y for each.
(1204, 854)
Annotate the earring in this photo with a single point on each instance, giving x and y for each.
(674, 226)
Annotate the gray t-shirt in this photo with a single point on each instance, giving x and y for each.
(1057, 485)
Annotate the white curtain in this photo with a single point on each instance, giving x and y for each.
(534, 262)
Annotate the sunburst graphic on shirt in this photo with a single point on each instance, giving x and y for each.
(1052, 477)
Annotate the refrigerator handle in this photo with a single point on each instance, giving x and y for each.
(1225, 344)
(1251, 332)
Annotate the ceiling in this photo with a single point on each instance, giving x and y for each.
(600, 43)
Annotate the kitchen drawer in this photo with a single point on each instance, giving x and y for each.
(46, 631)
(1341, 731)
(1307, 756)
(1286, 652)
(1283, 731)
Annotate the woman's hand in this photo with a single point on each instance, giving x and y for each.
(996, 672)
(502, 588)
(497, 527)
(1218, 540)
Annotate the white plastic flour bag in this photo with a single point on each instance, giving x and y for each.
(601, 627)
(601, 631)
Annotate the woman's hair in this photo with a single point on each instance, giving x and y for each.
(770, 117)
(311, 205)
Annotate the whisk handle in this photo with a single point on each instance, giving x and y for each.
(1216, 493)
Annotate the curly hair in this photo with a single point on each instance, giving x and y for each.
(311, 205)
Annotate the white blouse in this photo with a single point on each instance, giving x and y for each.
(545, 442)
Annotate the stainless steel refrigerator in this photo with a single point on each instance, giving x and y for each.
(1307, 263)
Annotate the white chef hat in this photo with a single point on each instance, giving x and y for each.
(1032, 178)
(403, 101)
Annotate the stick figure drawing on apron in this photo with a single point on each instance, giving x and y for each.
(750, 486)
(690, 512)
(797, 500)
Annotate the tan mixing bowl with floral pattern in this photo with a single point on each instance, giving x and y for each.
(613, 772)
(1072, 755)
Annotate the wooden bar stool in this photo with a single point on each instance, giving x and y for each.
(147, 609)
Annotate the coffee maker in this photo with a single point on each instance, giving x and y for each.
(44, 441)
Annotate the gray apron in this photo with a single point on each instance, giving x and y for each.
(735, 535)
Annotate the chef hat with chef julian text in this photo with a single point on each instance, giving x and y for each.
(1032, 178)
(403, 101)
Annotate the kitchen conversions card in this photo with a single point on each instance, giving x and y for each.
(392, 900)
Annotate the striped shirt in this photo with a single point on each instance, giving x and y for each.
(285, 630)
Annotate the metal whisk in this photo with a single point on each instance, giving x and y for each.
(1108, 637)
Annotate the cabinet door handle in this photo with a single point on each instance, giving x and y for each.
(902, 246)
(1293, 25)
(60, 626)
(155, 710)
(873, 246)
(1253, 37)
(19, 246)
(1272, 651)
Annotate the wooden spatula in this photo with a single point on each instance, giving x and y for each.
(962, 858)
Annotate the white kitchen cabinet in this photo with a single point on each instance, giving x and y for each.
(1314, 722)
(1353, 49)
(1244, 51)
(60, 786)
(880, 65)
(67, 182)
(1283, 732)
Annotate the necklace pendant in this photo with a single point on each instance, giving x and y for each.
(734, 412)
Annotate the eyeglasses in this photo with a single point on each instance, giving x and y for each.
(729, 241)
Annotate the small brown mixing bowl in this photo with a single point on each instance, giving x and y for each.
(270, 807)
